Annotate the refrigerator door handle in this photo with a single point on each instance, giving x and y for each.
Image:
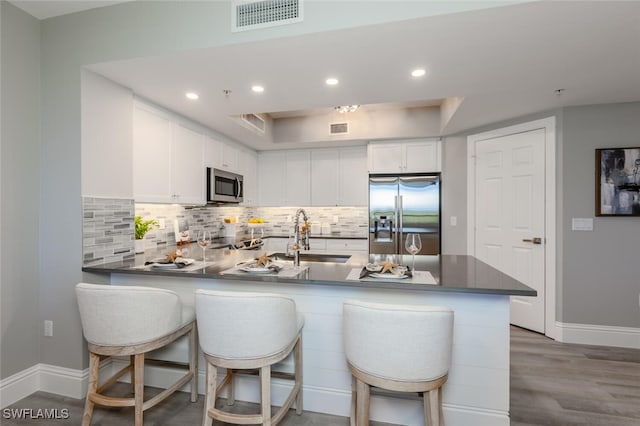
(400, 225)
(395, 220)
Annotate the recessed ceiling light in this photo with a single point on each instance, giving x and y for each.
(257, 89)
(331, 81)
(419, 72)
(191, 95)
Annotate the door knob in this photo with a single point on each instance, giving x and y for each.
(536, 240)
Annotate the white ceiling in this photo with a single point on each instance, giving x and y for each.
(504, 61)
(43, 9)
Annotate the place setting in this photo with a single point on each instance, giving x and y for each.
(264, 265)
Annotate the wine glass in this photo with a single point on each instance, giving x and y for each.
(204, 239)
(413, 244)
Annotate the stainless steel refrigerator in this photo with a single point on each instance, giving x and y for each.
(401, 204)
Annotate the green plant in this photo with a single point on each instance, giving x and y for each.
(144, 226)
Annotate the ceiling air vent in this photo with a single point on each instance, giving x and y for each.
(339, 128)
(254, 121)
(251, 14)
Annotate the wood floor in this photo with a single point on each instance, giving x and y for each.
(552, 384)
(558, 384)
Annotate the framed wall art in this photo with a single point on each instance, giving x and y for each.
(618, 182)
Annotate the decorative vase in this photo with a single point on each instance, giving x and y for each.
(139, 246)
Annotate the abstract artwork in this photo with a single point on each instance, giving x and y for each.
(618, 182)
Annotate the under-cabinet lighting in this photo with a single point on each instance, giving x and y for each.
(331, 81)
(418, 72)
(191, 95)
(257, 89)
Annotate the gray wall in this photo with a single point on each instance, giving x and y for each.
(601, 277)
(20, 190)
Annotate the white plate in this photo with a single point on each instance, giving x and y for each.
(389, 276)
(373, 267)
(181, 260)
(256, 269)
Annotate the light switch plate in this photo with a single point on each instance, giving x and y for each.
(453, 220)
(582, 224)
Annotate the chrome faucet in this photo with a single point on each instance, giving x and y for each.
(300, 236)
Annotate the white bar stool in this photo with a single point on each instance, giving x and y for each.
(404, 348)
(248, 331)
(120, 321)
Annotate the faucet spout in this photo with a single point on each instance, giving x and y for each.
(301, 235)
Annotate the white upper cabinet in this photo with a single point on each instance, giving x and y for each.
(248, 168)
(168, 165)
(212, 152)
(324, 177)
(271, 178)
(404, 157)
(229, 157)
(339, 177)
(353, 180)
(188, 172)
(152, 162)
(297, 178)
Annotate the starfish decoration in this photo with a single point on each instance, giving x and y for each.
(171, 257)
(263, 260)
(388, 266)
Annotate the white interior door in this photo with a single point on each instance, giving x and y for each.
(510, 216)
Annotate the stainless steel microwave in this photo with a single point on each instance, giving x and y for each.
(223, 186)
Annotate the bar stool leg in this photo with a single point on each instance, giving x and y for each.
(193, 362)
(297, 355)
(352, 421)
(210, 394)
(265, 392)
(362, 403)
(440, 406)
(231, 392)
(139, 388)
(94, 373)
(132, 376)
(431, 409)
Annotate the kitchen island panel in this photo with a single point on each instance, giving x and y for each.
(478, 389)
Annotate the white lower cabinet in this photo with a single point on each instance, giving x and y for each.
(347, 246)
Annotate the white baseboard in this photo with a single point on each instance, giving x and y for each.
(48, 378)
(600, 335)
(19, 385)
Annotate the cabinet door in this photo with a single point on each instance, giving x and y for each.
(188, 174)
(229, 157)
(420, 157)
(152, 150)
(297, 178)
(324, 177)
(271, 178)
(347, 246)
(385, 158)
(248, 167)
(353, 179)
(212, 153)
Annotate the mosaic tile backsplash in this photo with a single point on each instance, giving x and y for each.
(108, 230)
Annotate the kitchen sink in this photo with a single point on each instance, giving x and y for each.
(312, 257)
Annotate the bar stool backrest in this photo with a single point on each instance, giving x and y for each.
(398, 342)
(238, 325)
(123, 316)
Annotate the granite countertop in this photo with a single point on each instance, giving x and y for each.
(452, 273)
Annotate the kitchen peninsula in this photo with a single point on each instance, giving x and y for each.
(477, 391)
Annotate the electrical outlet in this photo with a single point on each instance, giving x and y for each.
(453, 220)
(335, 218)
(161, 224)
(48, 328)
(289, 219)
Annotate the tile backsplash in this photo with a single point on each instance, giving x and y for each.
(108, 230)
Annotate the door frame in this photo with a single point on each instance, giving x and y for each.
(549, 125)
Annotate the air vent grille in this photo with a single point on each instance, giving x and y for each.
(339, 128)
(249, 15)
(254, 121)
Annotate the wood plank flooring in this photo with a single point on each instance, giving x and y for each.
(552, 384)
(559, 384)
